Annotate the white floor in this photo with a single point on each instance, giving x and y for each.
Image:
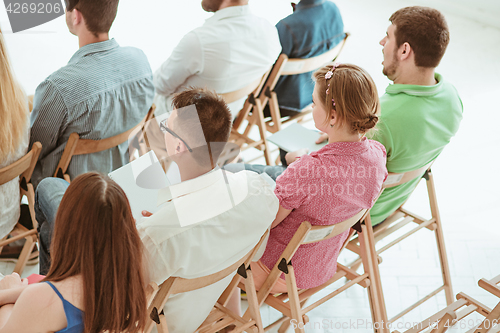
(467, 172)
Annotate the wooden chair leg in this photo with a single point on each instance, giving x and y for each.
(258, 109)
(293, 295)
(370, 265)
(286, 324)
(253, 306)
(25, 253)
(443, 258)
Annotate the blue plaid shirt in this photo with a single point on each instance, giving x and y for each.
(103, 91)
(314, 28)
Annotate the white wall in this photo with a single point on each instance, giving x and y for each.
(482, 11)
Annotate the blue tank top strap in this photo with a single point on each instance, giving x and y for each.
(74, 316)
(55, 289)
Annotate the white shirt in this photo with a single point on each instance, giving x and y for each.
(225, 215)
(231, 50)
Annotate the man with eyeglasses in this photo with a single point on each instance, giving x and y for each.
(209, 220)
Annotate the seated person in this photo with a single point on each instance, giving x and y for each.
(332, 184)
(203, 224)
(103, 91)
(96, 281)
(230, 51)
(421, 111)
(14, 137)
(314, 27)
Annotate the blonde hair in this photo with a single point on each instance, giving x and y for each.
(354, 92)
(13, 106)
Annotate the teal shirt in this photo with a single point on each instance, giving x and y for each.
(416, 123)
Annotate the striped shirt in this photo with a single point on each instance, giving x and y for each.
(103, 91)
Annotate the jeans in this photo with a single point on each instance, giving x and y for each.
(48, 196)
(273, 171)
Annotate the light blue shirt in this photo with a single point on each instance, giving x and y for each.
(103, 91)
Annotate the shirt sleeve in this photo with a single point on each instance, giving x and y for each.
(293, 185)
(48, 118)
(286, 38)
(157, 270)
(383, 135)
(185, 61)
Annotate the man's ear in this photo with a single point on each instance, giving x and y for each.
(180, 147)
(77, 17)
(405, 51)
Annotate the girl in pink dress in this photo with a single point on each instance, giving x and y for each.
(332, 184)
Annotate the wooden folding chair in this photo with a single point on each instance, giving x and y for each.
(463, 307)
(294, 309)
(76, 146)
(23, 168)
(402, 217)
(295, 66)
(252, 113)
(220, 317)
(491, 285)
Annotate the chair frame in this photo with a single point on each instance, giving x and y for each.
(400, 218)
(220, 317)
(76, 146)
(294, 308)
(464, 306)
(23, 168)
(253, 112)
(294, 66)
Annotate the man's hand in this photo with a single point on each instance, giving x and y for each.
(322, 138)
(145, 213)
(293, 156)
(12, 281)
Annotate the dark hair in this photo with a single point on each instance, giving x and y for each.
(214, 117)
(98, 14)
(426, 30)
(95, 236)
(355, 94)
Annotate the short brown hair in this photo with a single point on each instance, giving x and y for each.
(95, 236)
(426, 30)
(212, 114)
(98, 14)
(355, 94)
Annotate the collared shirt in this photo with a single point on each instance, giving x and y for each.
(103, 91)
(203, 226)
(315, 27)
(324, 188)
(416, 123)
(231, 50)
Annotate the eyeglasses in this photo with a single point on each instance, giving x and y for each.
(164, 128)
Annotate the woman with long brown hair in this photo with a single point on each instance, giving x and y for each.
(14, 138)
(96, 281)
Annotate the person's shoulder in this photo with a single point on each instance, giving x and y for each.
(41, 294)
(377, 146)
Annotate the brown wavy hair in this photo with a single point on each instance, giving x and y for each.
(426, 30)
(95, 237)
(356, 99)
(13, 106)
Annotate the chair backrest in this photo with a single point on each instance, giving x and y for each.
(177, 285)
(300, 66)
(319, 233)
(23, 167)
(263, 91)
(236, 95)
(77, 146)
(395, 179)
